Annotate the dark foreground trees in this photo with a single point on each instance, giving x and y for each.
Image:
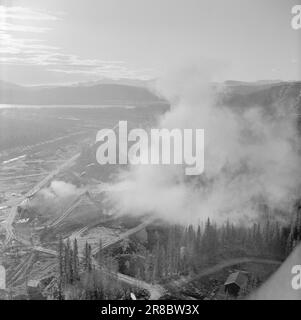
(168, 252)
(83, 277)
(177, 250)
(294, 236)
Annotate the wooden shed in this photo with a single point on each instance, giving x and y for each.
(235, 282)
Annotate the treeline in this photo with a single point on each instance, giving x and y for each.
(177, 250)
(82, 277)
(168, 251)
(294, 237)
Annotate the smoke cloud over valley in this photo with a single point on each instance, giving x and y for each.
(251, 158)
(60, 189)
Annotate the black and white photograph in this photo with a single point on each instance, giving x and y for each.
(150, 150)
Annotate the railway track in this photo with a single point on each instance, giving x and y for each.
(13, 212)
(26, 148)
(155, 290)
(66, 213)
(8, 224)
(21, 269)
(24, 177)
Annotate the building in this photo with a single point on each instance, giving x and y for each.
(2, 278)
(34, 290)
(236, 282)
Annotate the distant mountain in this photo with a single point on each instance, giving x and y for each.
(81, 94)
(121, 81)
(123, 91)
(286, 95)
(263, 94)
(244, 83)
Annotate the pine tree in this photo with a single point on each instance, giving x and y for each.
(100, 254)
(87, 258)
(148, 268)
(295, 231)
(75, 261)
(210, 240)
(198, 240)
(170, 252)
(156, 267)
(67, 263)
(61, 269)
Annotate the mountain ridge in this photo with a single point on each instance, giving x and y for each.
(104, 93)
(236, 93)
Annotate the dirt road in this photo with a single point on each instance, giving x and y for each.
(220, 266)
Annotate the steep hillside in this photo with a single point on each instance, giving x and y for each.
(266, 95)
(76, 95)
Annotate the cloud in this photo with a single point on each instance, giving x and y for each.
(21, 13)
(252, 157)
(60, 189)
(27, 47)
(17, 49)
(32, 52)
(5, 26)
(28, 51)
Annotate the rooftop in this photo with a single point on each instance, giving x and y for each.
(239, 278)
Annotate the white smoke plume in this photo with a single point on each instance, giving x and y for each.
(60, 189)
(251, 157)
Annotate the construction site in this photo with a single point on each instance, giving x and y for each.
(53, 189)
(53, 193)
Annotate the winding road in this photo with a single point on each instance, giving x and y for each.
(219, 267)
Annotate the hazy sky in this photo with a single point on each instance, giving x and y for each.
(57, 41)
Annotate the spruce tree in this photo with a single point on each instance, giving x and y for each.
(61, 268)
(75, 260)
